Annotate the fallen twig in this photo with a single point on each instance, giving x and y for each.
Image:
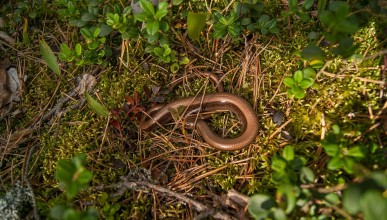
(126, 184)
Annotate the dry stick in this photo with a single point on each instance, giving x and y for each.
(356, 77)
(33, 201)
(382, 82)
(126, 184)
(280, 128)
(383, 74)
(342, 212)
(277, 90)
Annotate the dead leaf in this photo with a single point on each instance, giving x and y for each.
(5, 64)
(86, 83)
(7, 38)
(5, 95)
(19, 135)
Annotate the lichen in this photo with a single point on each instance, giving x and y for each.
(16, 203)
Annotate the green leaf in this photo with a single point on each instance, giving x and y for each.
(259, 205)
(162, 10)
(313, 35)
(346, 26)
(167, 51)
(289, 82)
(335, 163)
(263, 19)
(177, 2)
(246, 21)
(298, 93)
(162, 5)
(92, 213)
(153, 38)
(312, 52)
(290, 193)
(330, 146)
(332, 199)
(373, 205)
(86, 33)
(94, 45)
(57, 211)
(65, 49)
(306, 83)
(293, 5)
(298, 76)
(32, 14)
(184, 61)
(93, 3)
(223, 21)
(327, 18)
(158, 51)
(288, 153)
(174, 68)
(87, 17)
(78, 49)
(232, 18)
(279, 177)
(152, 27)
(277, 214)
(127, 11)
(309, 73)
(84, 177)
(346, 48)
(356, 152)
(298, 163)
(307, 175)
(321, 5)
(79, 161)
(241, 8)
(341, 8)
(348, 164)
(49, 57)
(351, 198)
(96, 32)
(77, 22)
(278, 164)
(164, 26)
(380, 178)
(142, 16)
(336, 129)
(233, 30)
(147, 7)
(160, 14)
(307, 4)
(195, 24)
(96, 106)
(105, 30)
(317, 64)
(220, 31)
(71, 214)
(296, 89)
(64, 171)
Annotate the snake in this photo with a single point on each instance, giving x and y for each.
(207, 103)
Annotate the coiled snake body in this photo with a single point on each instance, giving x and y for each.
(221, 101)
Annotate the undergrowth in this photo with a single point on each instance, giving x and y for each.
(261, 50)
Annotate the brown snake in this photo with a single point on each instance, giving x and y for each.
(221, 101)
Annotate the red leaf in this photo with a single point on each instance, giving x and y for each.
(115, 124)
(147, 91)
(137, 100)
(129, 100)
